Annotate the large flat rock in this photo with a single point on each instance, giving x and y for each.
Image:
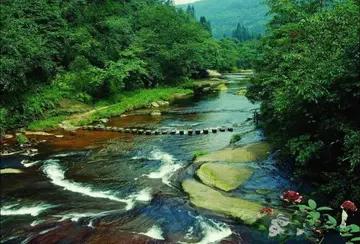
(205, 197)
(249, 153)
(223, 176)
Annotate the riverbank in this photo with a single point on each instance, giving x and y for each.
(70, 114)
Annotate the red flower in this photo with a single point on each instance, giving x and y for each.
(267, 210)
(291, 197)
(348, 205)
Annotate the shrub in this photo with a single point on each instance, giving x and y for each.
(21, 139)
(198, 153)
(235, 138)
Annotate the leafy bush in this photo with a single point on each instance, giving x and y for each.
(235, 138)
(198, 153)
(21, 139)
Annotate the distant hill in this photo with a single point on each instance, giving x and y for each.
(225, 14)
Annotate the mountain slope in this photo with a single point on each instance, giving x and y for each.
(225, 14)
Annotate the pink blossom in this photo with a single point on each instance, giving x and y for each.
(267, 211)
(291, 197)
(348, 205)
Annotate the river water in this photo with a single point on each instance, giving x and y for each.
(108, 187)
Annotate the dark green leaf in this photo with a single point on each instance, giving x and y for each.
(312, 204)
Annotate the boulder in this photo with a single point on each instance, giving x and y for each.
(163, 103)
(205, 197)
(156, 113)
(104, 121)
(8, 136)
(223, 176)
(221, 87)
(154, 105)
(213, 73)
(241, 92)
(249, 153)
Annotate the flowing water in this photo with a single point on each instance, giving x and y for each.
(108, 187)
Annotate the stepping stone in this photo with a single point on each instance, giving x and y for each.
(114, 129)
(181, 132)
(230, 129)
(148, 132)
(157, 132)
(173, 132)
(127, 130)
(164, 132)
(197, 131)
(206, 131)
(108, 128)
(214, 130)
(134, 131)
(222, 129)
(120, 129)
(140, 132)
(190, 132)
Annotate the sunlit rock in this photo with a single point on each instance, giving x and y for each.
(249, 153)
(223, 176)
(205, 197)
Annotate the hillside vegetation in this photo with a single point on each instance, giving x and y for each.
(224, 15)
(95, 50)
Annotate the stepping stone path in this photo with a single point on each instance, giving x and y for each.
(157, 131)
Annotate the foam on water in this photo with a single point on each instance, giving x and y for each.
(213, 231)
(165, 172)
(167, 169)
(27, 164)
(154, 232)
(53, 170)
(33, 210)
(36, 222)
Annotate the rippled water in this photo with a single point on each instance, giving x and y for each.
(105, 187)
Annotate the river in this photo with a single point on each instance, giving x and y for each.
(109, 187)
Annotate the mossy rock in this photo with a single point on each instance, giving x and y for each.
(223, 176)
(241, 92)
(250, 153)
(205, 197)
(221, 87)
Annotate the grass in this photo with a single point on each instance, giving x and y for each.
(116, 105)
(47, 123)
(129, 101)
(198, 153)
(21, 139)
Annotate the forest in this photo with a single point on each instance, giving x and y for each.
(309, 85)
(94, 50)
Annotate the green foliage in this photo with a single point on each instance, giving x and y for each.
(235, 138)
(47, 123)
(308, 82)
(126, 101)
(198, 153)
(21, 139)
(313, 222)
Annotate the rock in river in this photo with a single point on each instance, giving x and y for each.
(205, 197)
(223, 176)
(10, 171)
(249, 153)
(156, 113)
